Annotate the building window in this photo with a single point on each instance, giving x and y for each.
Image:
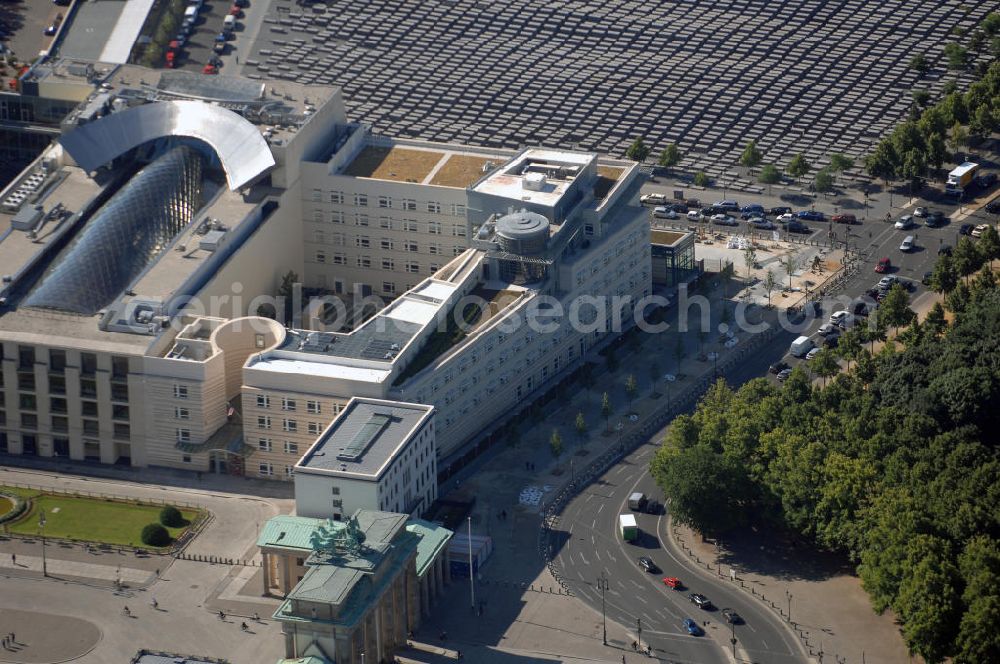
(434, 248)
(57, 384)
(312, 407)
(258, 340)
(289, 471)
(410, 225)
(385, 222)
(337, 217)
(364, 261)
(410, 245)
(186, 458)
(337, 503)
(30, 421)
(263, 421)
(361, 219)
(263, 401)
(319, 237)
(183, 435)
(388, 287)
(362, 241)
(434, 228)
(435, 267)
(180, 392)
(88, 364)
(456, 250)
(412, 267)
(457, 210)
(433, 207)
(337, 197)
(26, 357)
(335, 490)
(361, 200)
(317, 195)
(288, 404)
(388, 264)
(291, 448)
(320, 256)
(384, 202)
(386, 243)
(289, 426)
(266, 469)
(318, 216)
(588, 230)
(458, 230)
(264, 444)
(57, 405)
(57, 361)
(409, 204)
(182, 413)
(339, 259)
(313, 428)
(28, 402)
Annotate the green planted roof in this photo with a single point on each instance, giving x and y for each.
(289, 532)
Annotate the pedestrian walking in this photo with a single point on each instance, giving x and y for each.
(125, 611)
(13, 559)
(623, 659)
(4, 642)
(155, 604)
(244, 627)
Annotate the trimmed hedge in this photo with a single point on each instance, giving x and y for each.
(171, 517)
(154, 534)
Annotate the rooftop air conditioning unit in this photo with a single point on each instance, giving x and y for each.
(534, 181)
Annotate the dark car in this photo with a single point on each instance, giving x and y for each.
(993, 207)
(797, 227)
(831, 340)
(944, 250)
(926, 281)
(848, 219)
(732, 617)
(936, 219)
(727, 205)
(692, 627)
(241, 3)
(778, 367)
(986, 180)
(753, 210)
(647, 564)
(653, 507)
(678, 207)
(701, 601)
(810, 215)
(859, 309)
(781, 209)
(966, 229)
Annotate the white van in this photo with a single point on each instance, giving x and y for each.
(801, 346)
(229, 22)
(190, 15)
(907, 244)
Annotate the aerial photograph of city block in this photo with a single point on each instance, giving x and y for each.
(499, 331)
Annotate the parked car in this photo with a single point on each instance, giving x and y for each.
(883, 265)
(926, 280)
(664, 213)
(848, 219)
(827, 329)
(797, 227)
(778, 367)
(647, 564)
(905, 222)
(811, 354)
(762, 224)
(920, 212)
(653, 199)
(673, 582)
(785, 217)
(838, 316)
(993, 207)
(653, 507)
(692, 627)
(859, 308)
(728, 205)
(241, 3)
(935, 219)
(810, 215)
(701, 601)
(832, 340)
(724, 220)
(732, 617)
(944, 250)
(885, 283)
(986, 180)
(781, 209)
(979, 230)
(965, 229)
(783, 375)
(694, 215)
(692, 202)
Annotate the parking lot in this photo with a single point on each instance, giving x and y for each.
(23, 23)
(198, 50)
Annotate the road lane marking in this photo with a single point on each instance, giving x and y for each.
(600, 507)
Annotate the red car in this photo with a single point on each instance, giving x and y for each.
(673, 582)
(235, 11)
(209, 69)
(883, 265)
(848, 219)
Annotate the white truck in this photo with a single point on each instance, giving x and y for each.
(801, 346)
(628, 527)
(960, 178)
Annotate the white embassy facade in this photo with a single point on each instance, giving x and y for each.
(180, 370)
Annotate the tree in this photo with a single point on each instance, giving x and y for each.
(791, 264)
(920, 64)
(700, 179)
(945, 276)
(556, 444)
(956, 55)
(928, 598)
(881, 163)
(751, 156)
(769, 285)
(680, 352)
(824, 181)
(606, 409)
(935, 322)
(840, 163)
(670, 157)
(966, 257)
(631, 387)
(638, 151)
(824, 364)
(580, 425)
(958, 299)
(977, 40)
(154, 534)
(991, 24)
(984, 281)
(849, 345)
(989, 244)
(921, 96)
(914, 169)
(171, 517)
(726, 274)
(894, 309)
(749, 259)
(769, 174)
(798, 166)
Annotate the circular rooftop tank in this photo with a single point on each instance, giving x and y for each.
(523, 232)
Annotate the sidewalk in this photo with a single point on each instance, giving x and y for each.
(59, 569)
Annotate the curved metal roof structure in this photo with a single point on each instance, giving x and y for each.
(124, 235)
(242, 150)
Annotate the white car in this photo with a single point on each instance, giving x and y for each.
(788, 216)
(906, 221)
(664, 213)
(907, 244)
(653, 199)
(979, 230)
(694, 215)
(813, 353)
(838, 316)
(826, 329)
(920, 212)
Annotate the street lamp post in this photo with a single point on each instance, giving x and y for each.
(41, 533)
(788, 596)
(732, 639)
(602, 584)
(638, 624)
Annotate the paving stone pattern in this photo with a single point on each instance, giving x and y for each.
(808, 76)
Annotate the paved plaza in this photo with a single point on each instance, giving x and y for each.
(796, 75)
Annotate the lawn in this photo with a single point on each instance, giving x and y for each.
(91, 519)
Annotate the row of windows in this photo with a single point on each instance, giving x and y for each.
(289, 426)
(387, 223)
(27, 358)
(267, 445)
(313, 407)
(59, 405)
(387, 202)
(412, 267)
(266, 469)
(60, 424)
